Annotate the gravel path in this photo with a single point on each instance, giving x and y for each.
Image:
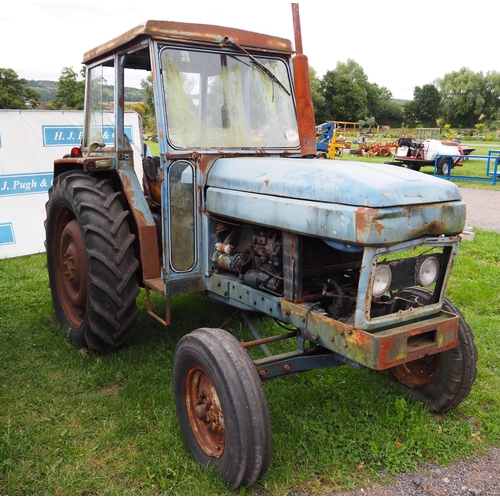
(483, 208)
(480, 476)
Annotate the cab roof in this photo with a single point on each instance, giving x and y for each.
(188, 32)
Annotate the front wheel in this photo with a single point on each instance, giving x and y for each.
(440, 381)
(221, 406)
(91, 262)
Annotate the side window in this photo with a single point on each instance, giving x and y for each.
(182, 216)
(100, 84)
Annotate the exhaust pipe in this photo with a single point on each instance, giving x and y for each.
(303, 94)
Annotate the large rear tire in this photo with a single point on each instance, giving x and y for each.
(440, 381)
(221, 406)
(91, 263)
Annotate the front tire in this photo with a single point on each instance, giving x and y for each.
(221, 406)
(91, 262)
(440, 381)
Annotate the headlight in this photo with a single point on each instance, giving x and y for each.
(382, 281)
(427, 271)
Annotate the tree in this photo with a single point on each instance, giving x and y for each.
(491, 96)
(424, 109)
(317, 96)
(343, 100)
(13, 92)
(347, 95)
(464, 98)
(390, 112)
(70, 91)
(149, 98)
(375, 98)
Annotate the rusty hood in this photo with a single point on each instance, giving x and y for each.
(351, 202)
(347, 183)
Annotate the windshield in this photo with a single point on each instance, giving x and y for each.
(225, 100)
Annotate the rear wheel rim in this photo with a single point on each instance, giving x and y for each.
(72, 272)
(204, 412)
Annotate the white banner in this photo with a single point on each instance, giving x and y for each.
(30, 141)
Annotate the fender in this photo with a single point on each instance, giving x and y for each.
(129, 185)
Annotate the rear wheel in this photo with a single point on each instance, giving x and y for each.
(440, 381)
(91, 262)
(221, 406)
(445, 164)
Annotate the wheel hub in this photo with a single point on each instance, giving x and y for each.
(73, 269)
(417, 373)
(204, 412)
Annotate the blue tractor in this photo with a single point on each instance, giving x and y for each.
(354, 261)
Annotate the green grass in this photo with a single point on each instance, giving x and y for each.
(73, 423)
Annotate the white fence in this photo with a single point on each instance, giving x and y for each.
(30, 141)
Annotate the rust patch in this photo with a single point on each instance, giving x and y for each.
(148, 240)
(189, 32)
(366, 222)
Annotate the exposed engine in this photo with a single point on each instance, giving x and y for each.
(255, 255)
(328, 275)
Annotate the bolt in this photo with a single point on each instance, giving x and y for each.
(315, 336)
(263, 373)
(287, 367)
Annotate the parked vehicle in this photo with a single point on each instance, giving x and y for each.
(354, 260)
(326, 142)
(415, 155)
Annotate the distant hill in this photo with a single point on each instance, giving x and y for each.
(47, 90)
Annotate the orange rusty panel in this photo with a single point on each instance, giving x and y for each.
(380, 350)
(148, 240)
(405, 343)
(305, 111)
(366, 220)
(188, 32)
(150, 260)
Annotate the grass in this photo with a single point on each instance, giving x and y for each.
(73, 423)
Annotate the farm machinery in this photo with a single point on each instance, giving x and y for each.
(327, 145)
(415, 155)
(353, 262)
(377, 148)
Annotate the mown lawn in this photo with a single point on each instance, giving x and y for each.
(73, 423)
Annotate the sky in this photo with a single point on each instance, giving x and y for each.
(399, 45)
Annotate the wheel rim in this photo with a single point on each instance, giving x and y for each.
(204, 412)
(71, 269)
(417, 373)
